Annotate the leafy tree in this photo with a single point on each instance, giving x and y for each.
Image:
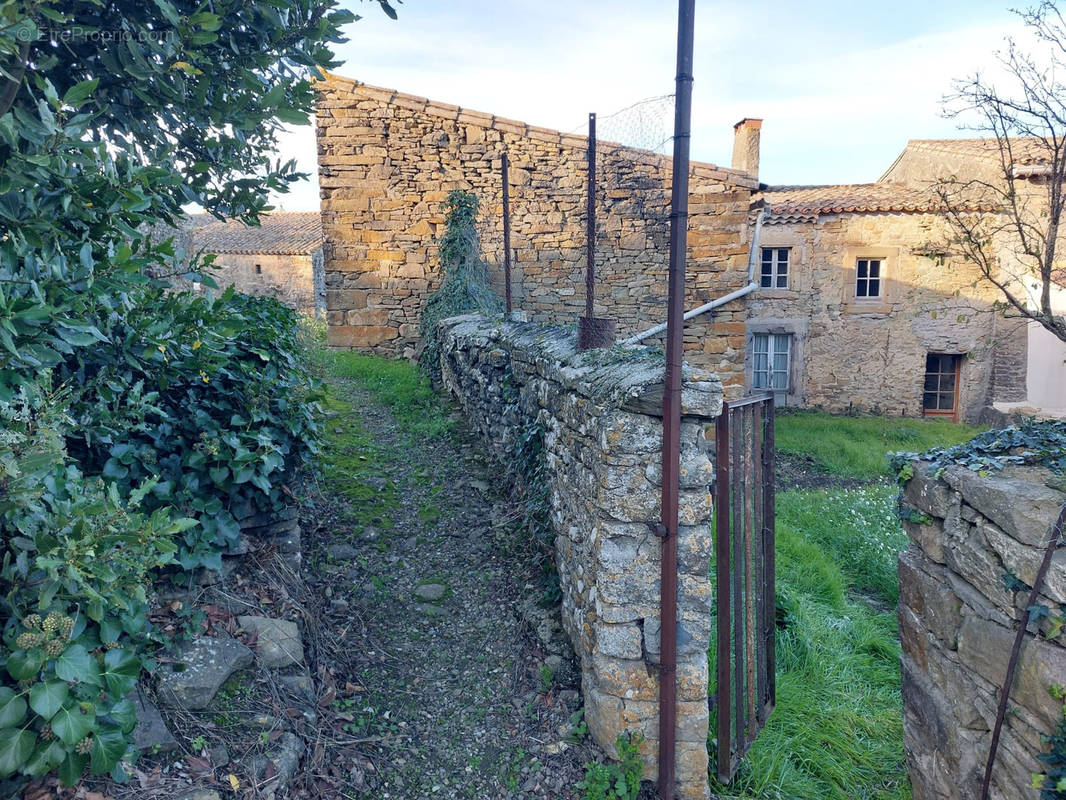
(136, 426)
(1008, 223)
(115, 113)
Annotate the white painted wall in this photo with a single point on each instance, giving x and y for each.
(1046, 375)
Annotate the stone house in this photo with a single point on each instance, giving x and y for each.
(281, 258)
(861, 306)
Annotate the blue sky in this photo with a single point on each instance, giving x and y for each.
(841, 85)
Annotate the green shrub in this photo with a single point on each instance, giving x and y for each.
(210, 396)
(75, 567)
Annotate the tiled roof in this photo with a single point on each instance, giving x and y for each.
(1024, 151)
(805, 200)
(279, 233)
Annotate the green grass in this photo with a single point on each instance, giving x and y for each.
(858, 530)
(400, 387)
(837, 730)
(357, 467)
(858, 447)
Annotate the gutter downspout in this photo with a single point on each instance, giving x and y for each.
(671, 466)
(718, 301)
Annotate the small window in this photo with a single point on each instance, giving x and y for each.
(868, 277)
(771, 356)
(941, 391)
(258, 269)
(774, 273)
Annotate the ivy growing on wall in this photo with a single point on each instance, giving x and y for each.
(1031, 442)
(465, 288)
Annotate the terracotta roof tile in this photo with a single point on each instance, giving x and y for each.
(279, 233)
(856, 197)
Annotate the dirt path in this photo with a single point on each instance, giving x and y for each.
(431, 682)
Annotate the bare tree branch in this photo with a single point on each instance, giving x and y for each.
(1008, 227)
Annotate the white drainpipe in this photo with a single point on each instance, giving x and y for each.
(720, 301)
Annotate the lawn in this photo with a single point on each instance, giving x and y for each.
(837, 731)
(857, 447)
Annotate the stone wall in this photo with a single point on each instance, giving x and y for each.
(599, 412)
(956, 624)
(870, 356)
(387, 160)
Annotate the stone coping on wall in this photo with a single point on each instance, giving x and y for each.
(957, 625)
(482, 119)
(599, 413)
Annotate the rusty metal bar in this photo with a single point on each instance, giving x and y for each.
(723, 506)
(671, 467)
(744, 577)
(748, 417)
(590, 235)
(769, 554)
(759, 507)
(1019, 638)
(506, 178)
(737, 457)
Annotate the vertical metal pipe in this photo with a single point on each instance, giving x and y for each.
(590, 265)
(504, 169)
(672, 400)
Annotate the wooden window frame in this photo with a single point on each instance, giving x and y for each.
(771, 338)
(864, 281)
(938, 413)
(775, 263)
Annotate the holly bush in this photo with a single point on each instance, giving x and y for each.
(136, 425)
(212, 397)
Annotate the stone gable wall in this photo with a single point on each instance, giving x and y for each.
(602, 442)
(870, 356)
(957, 627)
(288, 278)
(387, 160)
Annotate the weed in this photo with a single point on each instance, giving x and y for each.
(399, 386)
(615, 781)
(547, 678)
(579, 729)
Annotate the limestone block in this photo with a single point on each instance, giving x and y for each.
(985, 646)
(924, 589)
(205, 664)
(1023, 507)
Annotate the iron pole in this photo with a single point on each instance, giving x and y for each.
(675, 324)
(590, 265)
(504, 168)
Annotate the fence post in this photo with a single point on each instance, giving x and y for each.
(504, 171)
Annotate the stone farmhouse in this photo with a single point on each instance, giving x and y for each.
(281, 258)
(856, 303)
(862, 305)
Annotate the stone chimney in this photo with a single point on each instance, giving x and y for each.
(746, 146)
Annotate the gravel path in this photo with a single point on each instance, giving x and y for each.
(431, 682)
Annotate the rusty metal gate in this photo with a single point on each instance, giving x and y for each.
(744, 592)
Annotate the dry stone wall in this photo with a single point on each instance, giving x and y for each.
(957, 627)
(387, 160)
(602, 431)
